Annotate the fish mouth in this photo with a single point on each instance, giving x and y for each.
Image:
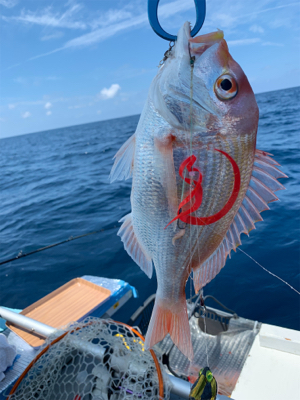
(195, 46)
(199, 44)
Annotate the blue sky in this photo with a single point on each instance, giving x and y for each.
(72, 62)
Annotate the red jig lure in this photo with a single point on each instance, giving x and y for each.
(196, 195)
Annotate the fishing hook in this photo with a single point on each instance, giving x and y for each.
(153, 19)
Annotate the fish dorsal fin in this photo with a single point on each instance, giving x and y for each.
(134, 247)
(123, 165)
(262, 185)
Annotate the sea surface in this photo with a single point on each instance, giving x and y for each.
(54, 185)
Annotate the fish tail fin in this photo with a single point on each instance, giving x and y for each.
(173, 320)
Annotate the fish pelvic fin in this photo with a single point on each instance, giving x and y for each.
(172, 319)
(133, 247)
(123, 165)
(262, 185)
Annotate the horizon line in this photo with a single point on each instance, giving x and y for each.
(110, 119)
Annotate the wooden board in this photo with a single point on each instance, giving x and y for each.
(71, 302)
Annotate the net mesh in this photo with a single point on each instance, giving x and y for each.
(96, 360)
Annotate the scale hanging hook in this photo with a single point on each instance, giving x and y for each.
(153, 19)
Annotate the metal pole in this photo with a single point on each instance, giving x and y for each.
(45, 330)
(27, 323)
(182, 388)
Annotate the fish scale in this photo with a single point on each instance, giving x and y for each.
(217, 120)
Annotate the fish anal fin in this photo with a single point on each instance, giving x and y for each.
(123, 165)
(133, 247)
(168, 318)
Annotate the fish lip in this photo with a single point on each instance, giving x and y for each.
(182, 45)
(188, 28)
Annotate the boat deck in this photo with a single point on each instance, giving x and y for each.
(250, 360)
(272, 368)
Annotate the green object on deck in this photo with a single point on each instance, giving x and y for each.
(205, 387)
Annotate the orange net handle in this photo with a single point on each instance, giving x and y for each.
(159, 373)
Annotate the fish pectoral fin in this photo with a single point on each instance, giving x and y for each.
(123, 165)
(172, 320)
(134, 247)
(165, 171)
(263, 184)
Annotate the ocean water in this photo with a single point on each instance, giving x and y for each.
(54, 185)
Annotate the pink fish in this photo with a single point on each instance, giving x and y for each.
(198, 180)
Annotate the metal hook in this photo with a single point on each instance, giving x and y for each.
(153, 19)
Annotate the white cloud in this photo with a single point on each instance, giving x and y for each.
(48, 105)
(44, 100)
(99, 112)
(77, 106)
(21, 80)
(256, 29)
(129, 22)
(55, 35)
(11, 106)
(272, 44)
(110, 17)
(229, 15)
(48, 18)
(8, 3)
(103, 33)
(48, 112)
(242, 42)
(26, 114)
(110, 92)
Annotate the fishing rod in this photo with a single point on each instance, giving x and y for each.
(21, 255)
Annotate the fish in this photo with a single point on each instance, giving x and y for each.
(198, 181)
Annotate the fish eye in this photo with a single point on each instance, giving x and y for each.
(226, 87)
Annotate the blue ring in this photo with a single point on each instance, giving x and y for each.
(153, 19)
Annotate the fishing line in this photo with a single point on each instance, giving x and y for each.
(192, 63)
(251, 258)
(205, 337)
(269, 272)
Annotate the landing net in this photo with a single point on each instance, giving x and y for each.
(93, 360)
